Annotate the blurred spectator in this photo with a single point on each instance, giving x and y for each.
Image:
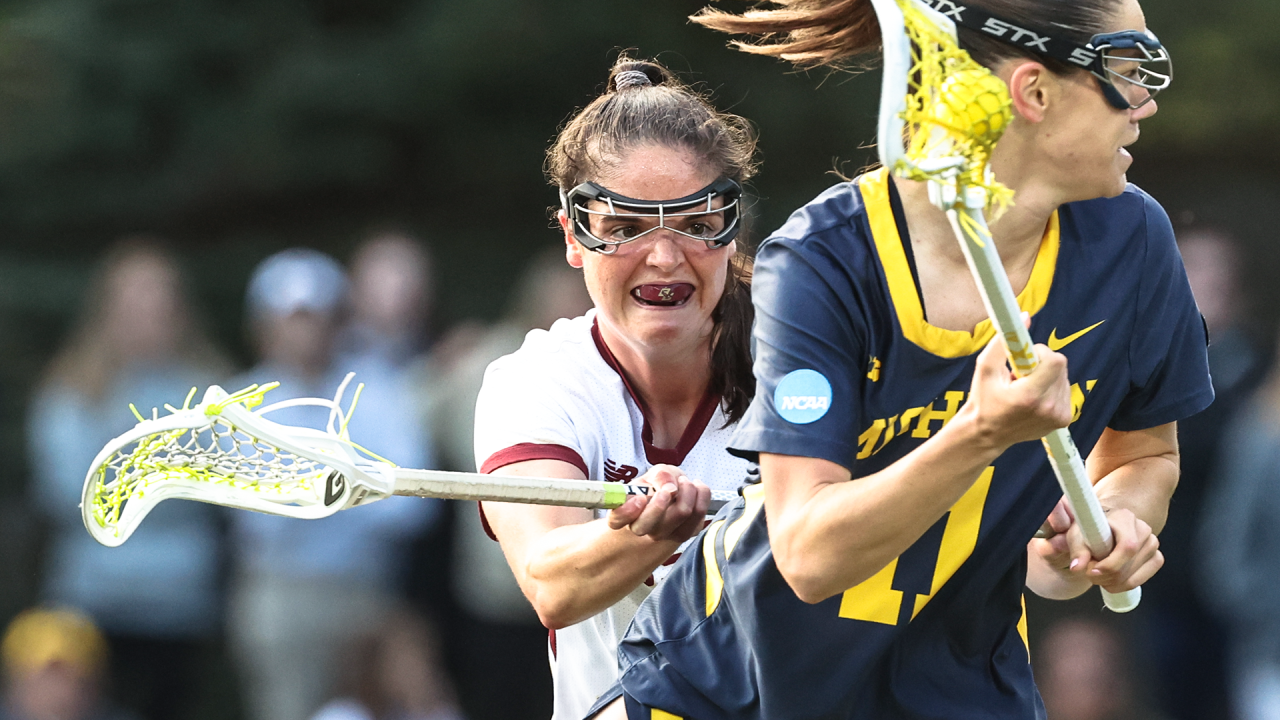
(1212, 259)
(1240, 548)
(547, 290)
(157, 597)
(499, 641)
(393, 673)
(383, 340)
(1183, 639)
(1083, 675)
(391, 283)
(303, 588)
(53, 668)
(386, 331)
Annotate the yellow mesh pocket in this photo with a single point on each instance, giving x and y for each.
(215, 453)
(956, 108)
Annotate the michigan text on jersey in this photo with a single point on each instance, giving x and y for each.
(928, 419)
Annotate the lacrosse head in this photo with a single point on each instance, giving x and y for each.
(224, 452)
(941, 113)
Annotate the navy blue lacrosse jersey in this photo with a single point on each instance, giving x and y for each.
(849, 370)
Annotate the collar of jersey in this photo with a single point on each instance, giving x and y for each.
(692, 432)
(874, 187)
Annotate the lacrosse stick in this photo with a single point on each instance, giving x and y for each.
(224, 452)
(941, 114)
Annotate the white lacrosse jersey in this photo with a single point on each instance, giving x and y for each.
(563, 396)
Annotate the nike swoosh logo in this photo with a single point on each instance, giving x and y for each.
(1056, 343)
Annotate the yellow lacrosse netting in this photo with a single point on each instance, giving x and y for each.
(211, 451)
(166, 454)
(955, 108)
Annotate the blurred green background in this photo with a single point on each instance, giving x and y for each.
(235, 128)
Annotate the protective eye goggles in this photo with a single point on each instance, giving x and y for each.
(699, 204)
(1120, 60)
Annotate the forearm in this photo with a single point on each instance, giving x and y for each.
(844, 531)
(572, 566)
(1143, 487)
(1137, 471)
(576, 571)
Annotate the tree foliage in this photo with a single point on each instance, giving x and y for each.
(237, 127)
(213, 115)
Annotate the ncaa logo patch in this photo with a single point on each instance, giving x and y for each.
(802, 397)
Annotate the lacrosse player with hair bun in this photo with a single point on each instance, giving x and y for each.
(647, 386)
(899, 474)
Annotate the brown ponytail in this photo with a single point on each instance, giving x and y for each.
(805, 32)
(829, 33)
(732, 377)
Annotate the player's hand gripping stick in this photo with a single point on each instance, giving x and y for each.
(971, 227)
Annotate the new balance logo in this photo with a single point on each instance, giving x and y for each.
(948, 8)
(613, 472)
(805, 402)
(333, 488)
(1017, 35)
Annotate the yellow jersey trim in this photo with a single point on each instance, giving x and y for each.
(754, 495)
(715, 583)
(902, 289)
(1022, 628)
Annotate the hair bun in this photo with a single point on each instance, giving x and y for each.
(628, 73)
(629, 78)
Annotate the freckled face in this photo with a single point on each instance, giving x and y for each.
(661, 288)
(1087, 137)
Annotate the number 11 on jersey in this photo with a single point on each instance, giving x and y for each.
(884, 597)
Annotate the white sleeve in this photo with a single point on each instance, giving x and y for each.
(523, 406)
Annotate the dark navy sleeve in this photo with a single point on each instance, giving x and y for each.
(1168, 355)
(809, 355)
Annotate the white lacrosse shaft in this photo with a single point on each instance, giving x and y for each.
(970, 227)
(593, 494)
